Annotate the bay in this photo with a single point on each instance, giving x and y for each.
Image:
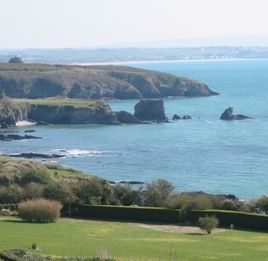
(202, 154)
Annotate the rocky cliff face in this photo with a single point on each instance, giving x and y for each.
(10, 113)
(94, 82)
(99, 114)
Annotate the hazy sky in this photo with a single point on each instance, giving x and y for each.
(87, 23)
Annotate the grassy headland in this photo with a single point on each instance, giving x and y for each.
(94, 82)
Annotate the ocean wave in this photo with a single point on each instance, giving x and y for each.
(74, 153)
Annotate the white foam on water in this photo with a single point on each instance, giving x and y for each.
(73, 153)
(25, 123)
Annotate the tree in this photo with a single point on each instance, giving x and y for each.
(15, 59)
(126, 195)
(208, 223)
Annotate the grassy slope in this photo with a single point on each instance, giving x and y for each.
(10, 167)
(78, 103)
(126, 241)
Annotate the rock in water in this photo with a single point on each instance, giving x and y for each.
(35, 155)
(127, 117)
(229, 116)
(176, 117)
(187, 117)
(150, 110)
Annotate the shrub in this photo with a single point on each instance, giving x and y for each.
(15, 59)
(11, 194)
(34, 246)
(188, 202)
(228, 204)
(157, 193)
(39, 210)
(94, 191)
(25, 255)
(36, 177)
(33, 190)
(208, 223)
(59, 192)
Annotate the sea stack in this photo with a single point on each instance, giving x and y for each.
(150, 110)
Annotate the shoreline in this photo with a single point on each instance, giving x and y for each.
(167, 61)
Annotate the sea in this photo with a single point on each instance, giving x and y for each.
(202, 154)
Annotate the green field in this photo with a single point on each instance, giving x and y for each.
(127, 241)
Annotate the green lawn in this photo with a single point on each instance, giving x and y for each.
(127, 241)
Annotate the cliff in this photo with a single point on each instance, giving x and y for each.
(94, 82)
(56, 111)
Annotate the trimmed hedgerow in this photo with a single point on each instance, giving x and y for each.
(39, 210)
(234, 218)
(124, 213)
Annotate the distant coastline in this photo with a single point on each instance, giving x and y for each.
(168, 61)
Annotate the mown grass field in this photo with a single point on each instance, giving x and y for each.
(125, 241)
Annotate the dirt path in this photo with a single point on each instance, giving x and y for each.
(178, 229)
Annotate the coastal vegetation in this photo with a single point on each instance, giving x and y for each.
(25, 182)
(28, 179)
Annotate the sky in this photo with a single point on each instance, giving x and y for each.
(101, 23)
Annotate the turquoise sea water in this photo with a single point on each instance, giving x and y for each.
(204, 153)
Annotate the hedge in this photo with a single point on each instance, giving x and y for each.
(161, 215)
(238, 219)
(226, 218)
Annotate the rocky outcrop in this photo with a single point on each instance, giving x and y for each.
(150, 110)
(10, 137)
(94, 82)
(31, 155)
(185, 117)
(127, 117)
(229, 116)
